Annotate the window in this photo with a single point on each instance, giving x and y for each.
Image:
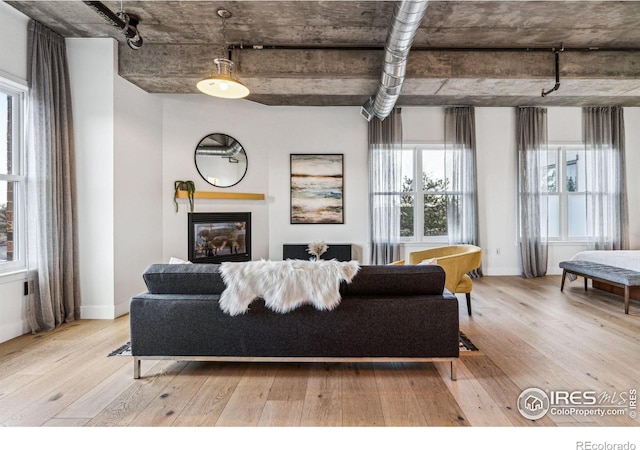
(426, 192)
(12, 181)
(565, 179)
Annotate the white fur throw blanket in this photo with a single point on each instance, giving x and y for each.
(284, 285)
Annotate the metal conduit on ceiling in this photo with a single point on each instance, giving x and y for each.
(407, 17)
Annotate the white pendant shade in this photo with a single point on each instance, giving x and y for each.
(223, 84)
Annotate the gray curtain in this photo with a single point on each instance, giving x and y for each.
(606, 187)
(462, 208)
(51, 168)
(531, 136)
(385, 184)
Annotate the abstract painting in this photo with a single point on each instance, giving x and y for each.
(317, 189)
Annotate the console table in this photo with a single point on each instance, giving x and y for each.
(340, 252)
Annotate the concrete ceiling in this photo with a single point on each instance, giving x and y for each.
(466, 52)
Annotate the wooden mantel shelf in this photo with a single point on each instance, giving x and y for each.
(222, 195)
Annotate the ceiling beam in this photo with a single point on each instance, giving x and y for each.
(350, 76)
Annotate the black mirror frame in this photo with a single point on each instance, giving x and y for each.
(195, 161)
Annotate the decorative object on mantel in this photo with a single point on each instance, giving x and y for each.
(223, 84)
(317, 189)
(317, 248)
(187, 186)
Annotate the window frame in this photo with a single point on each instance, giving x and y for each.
(418, 193)
(563, 194)
(17, 176)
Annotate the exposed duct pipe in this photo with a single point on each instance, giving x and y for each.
(407, 16)
(216, 150)
(122, 20)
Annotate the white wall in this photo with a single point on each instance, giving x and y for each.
(13, 67)
(137, 189)
(497, 187)
(13, 43)
(91, 72)
(269, 135)
(186, 120)
(118, 149)
(632, 154)
(131, 146)
(319, 130)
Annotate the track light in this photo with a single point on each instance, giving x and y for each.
(127, 23)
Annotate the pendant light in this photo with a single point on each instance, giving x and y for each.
(222, 83)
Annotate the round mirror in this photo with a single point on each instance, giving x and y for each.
(221, 160)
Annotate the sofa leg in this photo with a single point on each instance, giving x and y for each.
(468, 302)
(454, 370)
(136, 367)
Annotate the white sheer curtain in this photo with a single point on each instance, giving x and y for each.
(607, 208)
(531, 136)
(462, 207)
(385, 185)
(51, 166)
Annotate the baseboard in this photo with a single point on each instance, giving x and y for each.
(509, 272)
(502, 272)
(104, 312)
(97, 312)
(122, 309)
(13, 330)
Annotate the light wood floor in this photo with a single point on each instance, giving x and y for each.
(528, 332)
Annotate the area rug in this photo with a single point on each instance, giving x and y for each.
(465, 346)
(125, 350)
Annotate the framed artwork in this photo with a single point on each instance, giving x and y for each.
(317, 188)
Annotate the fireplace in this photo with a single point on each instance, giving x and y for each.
(219, 237)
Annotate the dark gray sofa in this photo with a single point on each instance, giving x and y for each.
(387, 313)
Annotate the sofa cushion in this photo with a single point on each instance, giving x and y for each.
(396, 280)
(393, 280)
(183, 279)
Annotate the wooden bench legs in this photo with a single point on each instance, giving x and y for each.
(627, 293)
(626, 299)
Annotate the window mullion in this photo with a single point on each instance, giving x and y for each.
(418, 196)
(562, 191)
